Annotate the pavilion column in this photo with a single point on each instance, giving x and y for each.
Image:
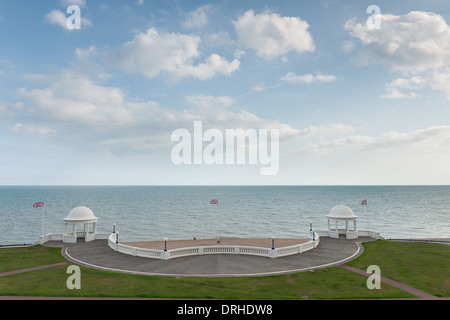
(65, 228)
(328, 224)
(74, 230)
(95, 227)
(346, 226)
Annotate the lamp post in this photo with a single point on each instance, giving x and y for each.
(114, 228)
(165, 244)
(311, 230)
(273, 243)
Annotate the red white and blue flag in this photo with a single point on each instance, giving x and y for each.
(38, 204)
(364, 202)
(214, 201)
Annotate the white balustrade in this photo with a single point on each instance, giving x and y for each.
(218, 249)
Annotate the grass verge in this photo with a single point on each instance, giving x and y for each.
(422, 265)
(28, 257)
(335, 283)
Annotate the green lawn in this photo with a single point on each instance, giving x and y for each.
(332, 282)
(325, 283)
(22, 258)
(425, 266)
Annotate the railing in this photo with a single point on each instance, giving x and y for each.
(359, 233)
(201, 250)
(367, 233)
(70, 237)
(134, 251)
(50, 237)
(12, 245)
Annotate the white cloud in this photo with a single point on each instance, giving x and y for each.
(348, 46)
(412, 83)
(394, 93)
(152, 53)
(8, 110)
(307, 78)
(107, 117)
(197, 18)
(330, 130)
(433, 139)
(213, 66)
(205, 101)
(76, 99)
(215, 112)
(416, 44)
(408, 87)
(32, 129)
(413, 42)
(272, 36)
(87, 64)
(440, 80)
(59, 18)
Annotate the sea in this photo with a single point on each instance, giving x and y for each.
(145, 213)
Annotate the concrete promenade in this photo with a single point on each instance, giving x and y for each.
(97, 254)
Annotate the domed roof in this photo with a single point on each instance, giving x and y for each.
(80, 214)
(341, 212)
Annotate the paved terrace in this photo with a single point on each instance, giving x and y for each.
(97, 254)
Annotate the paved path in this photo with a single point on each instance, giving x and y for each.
(330, 252)
(401, 286)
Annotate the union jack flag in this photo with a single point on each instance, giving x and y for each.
(38, 204)
(214, 201)
(364, 202)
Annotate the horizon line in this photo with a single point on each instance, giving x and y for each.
(224, 185)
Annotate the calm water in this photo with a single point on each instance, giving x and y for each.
(151, 213)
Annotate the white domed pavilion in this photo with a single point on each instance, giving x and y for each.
(80, 215)
(342, 213)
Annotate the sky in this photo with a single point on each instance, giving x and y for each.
(358, 96)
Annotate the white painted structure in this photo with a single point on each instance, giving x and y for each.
(219, 249)
(80, 215)
(342, 213)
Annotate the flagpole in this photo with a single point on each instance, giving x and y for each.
(218, 226)
(42, 220)
(213, 202)
(367, 214)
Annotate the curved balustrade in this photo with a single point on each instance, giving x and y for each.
(219, 249)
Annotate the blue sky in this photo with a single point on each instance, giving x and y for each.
(98, 105)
